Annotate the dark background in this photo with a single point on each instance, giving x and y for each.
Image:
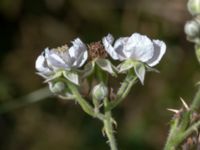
(29, 26)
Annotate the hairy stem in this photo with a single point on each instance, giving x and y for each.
(108, 127)
(83, 103)
(179, 132)
(123, 91)
(196, 101)
(173, 139)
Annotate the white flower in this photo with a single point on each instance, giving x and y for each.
(62, 58)
(134, 51)
(136, 47)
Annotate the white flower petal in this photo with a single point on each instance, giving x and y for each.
(55, 61)
(107, 42)
(78, 46)
(40, 65)
(83, 59)
(139, 47)
(119, 47)
(67, 58)
(159, 51)
(78, 52)
(110, 38)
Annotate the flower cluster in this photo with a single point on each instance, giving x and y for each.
(66, 68)
(137, 51)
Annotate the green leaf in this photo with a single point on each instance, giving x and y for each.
(139, 70)
(106, 65)
(125, 66)
(71, 76)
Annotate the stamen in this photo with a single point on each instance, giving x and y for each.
(62, 48)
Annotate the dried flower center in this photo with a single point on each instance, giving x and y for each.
(96, 50)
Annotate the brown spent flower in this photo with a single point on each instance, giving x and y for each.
(96, 50)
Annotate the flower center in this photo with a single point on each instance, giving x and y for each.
(96, 50)
(62, 48)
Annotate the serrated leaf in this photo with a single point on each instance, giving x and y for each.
(139, 70)
(106, 65)
(126, 65)
(71, 76)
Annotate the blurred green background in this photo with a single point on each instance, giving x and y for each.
(28, 26)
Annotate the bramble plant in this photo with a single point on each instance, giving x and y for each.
(65, 68)
(184, 130)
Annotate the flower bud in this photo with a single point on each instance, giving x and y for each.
(57, 87)
(99, 92)
(192, 29)
(194, 7)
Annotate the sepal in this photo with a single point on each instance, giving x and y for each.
(71, 76)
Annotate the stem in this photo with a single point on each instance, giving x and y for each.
(33, 97)
(123, 91)
(171, 143)
(196, 101)
(178, 133)
(83, 103)
(108, 126)
(190, 130)
(177, 136)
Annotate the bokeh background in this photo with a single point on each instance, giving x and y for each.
(28, 26)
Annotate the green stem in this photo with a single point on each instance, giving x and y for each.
(171, 143)
(83, 103)
(191, 129)
(179, 132)
(108, 127)
(196, 101)
(123, 91)
(33, 97)
(177, 136)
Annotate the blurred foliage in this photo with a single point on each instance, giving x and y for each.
(28, 26)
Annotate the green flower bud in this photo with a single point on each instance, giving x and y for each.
(194, 7)
(192, 30)
(99, 92)
(57, 87)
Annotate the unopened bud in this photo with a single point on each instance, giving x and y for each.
(194, 7)
(57, 87)
(99, 92)
(192, 29)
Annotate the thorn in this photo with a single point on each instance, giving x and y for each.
(196, 130)
(173, 110)
(100, 106)
(197, 84)
(185, 104)
(103, 131)
(114, 122)
(107, 142)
